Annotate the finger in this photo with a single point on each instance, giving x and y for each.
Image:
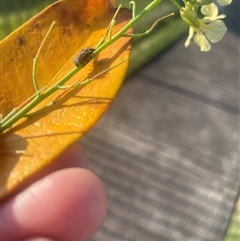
(73, 156)
(69, 204)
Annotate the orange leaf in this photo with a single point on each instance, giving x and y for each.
(44, 136)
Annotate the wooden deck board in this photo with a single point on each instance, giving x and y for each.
(168, 148)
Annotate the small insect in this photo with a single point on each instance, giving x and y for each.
(84, 57)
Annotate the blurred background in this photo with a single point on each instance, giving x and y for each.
(168, 147)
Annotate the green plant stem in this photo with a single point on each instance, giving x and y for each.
(40, 97)
(175, 3)
(35, 60)
(125, 28)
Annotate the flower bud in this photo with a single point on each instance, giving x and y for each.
(189, 17)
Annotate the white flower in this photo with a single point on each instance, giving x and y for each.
(211, 11)
(224, 2)
(209, 28)
(221, 2)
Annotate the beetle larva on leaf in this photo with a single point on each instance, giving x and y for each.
(84, 56)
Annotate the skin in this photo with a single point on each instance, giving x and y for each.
(68, 203)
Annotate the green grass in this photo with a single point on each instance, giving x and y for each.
(233, 233)
(15, 13)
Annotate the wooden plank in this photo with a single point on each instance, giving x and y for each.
(168, 148)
